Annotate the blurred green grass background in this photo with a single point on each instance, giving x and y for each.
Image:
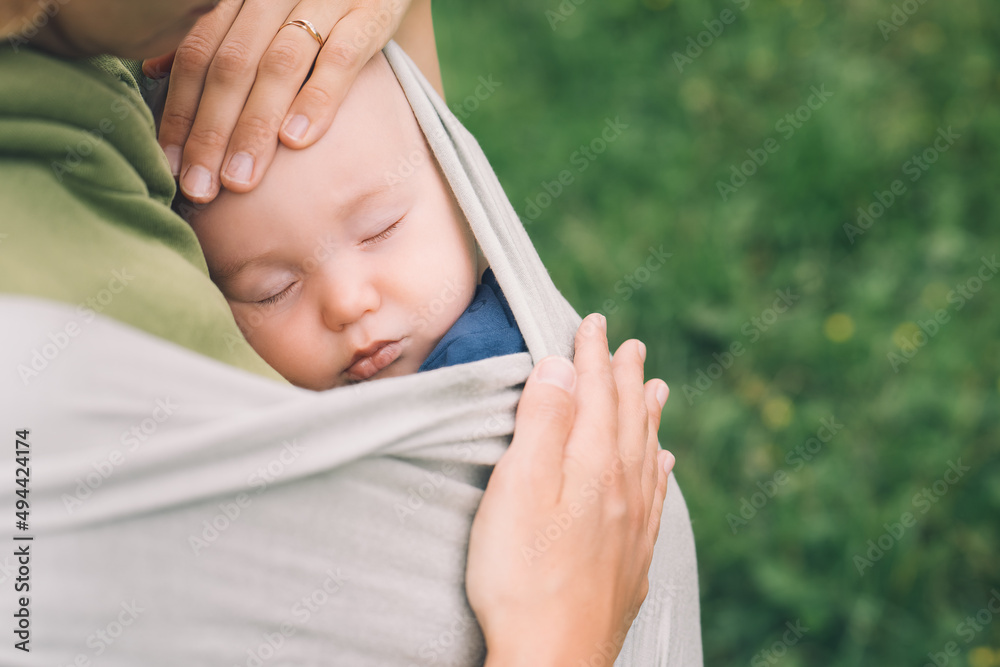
(560, 70)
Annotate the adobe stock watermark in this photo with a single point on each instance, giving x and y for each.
(411, 163)
(698, 44)
(418, 495)
(375, 27)
(120, 109)
(562, 12)
(923, 501)
(900, 14)
(57, 341)
(426, 315)
(915, 168)
(753, 329)
(229, 513)
(797, 459)
(581, 158)
(131, 440)
(927, 329)
(786, 126)
(30, 27)
(83, 148)
(471, 103)
(633, 281)
(651, 610)
(562, 522)
(662, 595)
(431, 650)
(302, 611)
(774, 653)
(605, 651)
(102, 639)
(408, 165)
(967, 630)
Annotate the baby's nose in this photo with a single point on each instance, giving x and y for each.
(347, 297)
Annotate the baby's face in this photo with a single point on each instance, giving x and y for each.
(351, 259)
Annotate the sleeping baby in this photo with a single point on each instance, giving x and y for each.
(351, 260)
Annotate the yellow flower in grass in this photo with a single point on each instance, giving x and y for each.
(934, 296)
(983, 656)
(839, 327)
(904, 333)
(753, 389)
(777, 412)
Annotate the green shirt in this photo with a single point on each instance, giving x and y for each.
(85, 216)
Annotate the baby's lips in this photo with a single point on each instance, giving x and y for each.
(372, 364)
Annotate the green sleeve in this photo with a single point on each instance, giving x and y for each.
(85, 214)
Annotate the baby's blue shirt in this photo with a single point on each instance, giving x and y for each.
(486, 329)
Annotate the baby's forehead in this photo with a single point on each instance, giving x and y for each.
(375, 118)
(374, 142)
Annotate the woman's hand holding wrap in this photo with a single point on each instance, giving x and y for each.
(561, 545)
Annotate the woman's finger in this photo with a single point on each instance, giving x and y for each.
(544, 420)
(227, 85)
(666, 464)
(283, 67)
(597, 404)
(187, 79)
(633, 416)
(355, 38)
(654, 391)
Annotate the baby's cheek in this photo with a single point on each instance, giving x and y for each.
(242, 320)
(253, 325)
(251, 321)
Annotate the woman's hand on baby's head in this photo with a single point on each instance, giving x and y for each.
(236, 84)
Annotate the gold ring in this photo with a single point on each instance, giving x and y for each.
(308, 27)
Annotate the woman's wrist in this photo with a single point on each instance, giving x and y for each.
(539, 644)
(519, 653)
(552, 646)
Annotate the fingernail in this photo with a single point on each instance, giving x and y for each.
(240, 168)
(668, 462)
(662, 392)
(296, 127)
(600, 321)
(197, 181)
(557, 371)
(642, 350)
(173, 154)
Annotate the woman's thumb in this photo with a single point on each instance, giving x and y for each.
(545, 414)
